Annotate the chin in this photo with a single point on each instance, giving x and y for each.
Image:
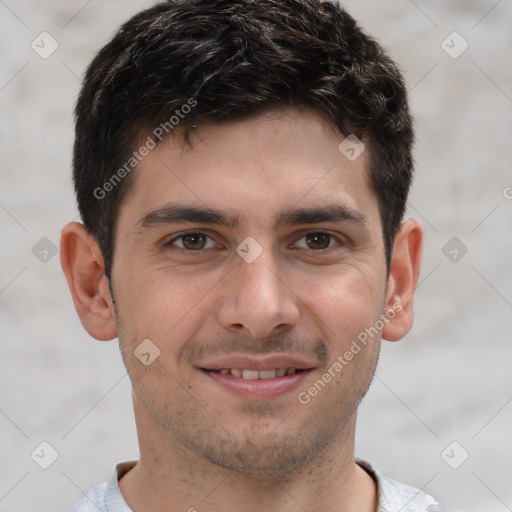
(263, 453)
(251, 460)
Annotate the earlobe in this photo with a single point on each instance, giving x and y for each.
(403, 279)
(82, 263)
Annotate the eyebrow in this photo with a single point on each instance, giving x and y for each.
(327, 213)
(176, 214)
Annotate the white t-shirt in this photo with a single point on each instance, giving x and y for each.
(393, 496)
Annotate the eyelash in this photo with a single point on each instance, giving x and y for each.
(181, 250)
(170, 243)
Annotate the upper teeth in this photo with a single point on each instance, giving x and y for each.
(255, 374)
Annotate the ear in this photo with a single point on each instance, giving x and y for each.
(403, 279)
(82, 262)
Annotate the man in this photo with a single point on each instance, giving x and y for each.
(242, 169)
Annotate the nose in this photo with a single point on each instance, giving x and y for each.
(256, 299)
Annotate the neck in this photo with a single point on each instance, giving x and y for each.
(168, 474)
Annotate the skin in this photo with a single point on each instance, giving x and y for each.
(203, 446)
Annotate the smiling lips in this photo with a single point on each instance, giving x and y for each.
(255, 374)
(258, 378)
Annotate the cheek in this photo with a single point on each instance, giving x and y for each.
(168, 310)
(344, 304)
(164, 306)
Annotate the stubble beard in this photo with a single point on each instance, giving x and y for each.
(269, 444)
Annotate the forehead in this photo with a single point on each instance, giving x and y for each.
(256, 168)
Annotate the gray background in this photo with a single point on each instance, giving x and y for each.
(449, 380)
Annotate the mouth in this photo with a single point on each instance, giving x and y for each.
(250, 374)
(257, 378)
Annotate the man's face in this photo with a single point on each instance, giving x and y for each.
(286, 277)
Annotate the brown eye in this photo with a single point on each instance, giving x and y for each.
(318, 241)
(193, 241)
